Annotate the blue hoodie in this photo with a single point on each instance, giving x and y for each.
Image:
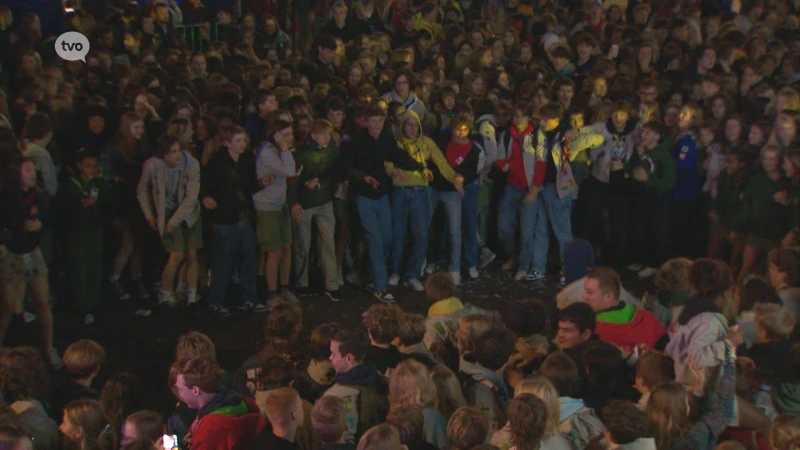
(689, 183)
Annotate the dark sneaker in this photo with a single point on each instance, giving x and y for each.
(116, 288)
(219, 310)
(302, 291)
(335, 296)
(288, 295)
(534, 276)
(382, 296)
(253, 307)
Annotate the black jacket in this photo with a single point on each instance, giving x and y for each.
(231, 184)
(367, 156)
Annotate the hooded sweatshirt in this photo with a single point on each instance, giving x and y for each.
(412, 103)
(154, 192)
(422, 150)
(660, 166)
(699, 333)
(369, 157)
(629, 327)
(271, 161)
(366, 390)
(616, 145)
(228, 421)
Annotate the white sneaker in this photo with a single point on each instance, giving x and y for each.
(394, 279)
(430, 268)
(647, 272)
(520, 275)
(473, 273)
(54, 359)
(28, 316)
(88, 319)
(635, 267)
(415, 285)
(456, 276)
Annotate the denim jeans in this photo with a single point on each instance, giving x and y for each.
(410, 205)
(233, 246)
(484, 209)
(512, 207)
(452, 208)
(556, 212)
(376, 222)
(469, 223)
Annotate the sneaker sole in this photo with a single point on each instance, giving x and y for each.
(487, 262)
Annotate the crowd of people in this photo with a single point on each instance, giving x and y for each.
(252, 157)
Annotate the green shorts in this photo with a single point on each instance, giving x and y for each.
(274, 229)
(184, 237)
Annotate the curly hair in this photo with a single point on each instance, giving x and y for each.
(411, 384)
(23, 374)
(202, 372)
(527, 418)
(282, 321)
(625, 421)
(382, 322)
(673, 276)
(440, 286)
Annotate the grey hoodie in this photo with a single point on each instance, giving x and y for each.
(270, 161)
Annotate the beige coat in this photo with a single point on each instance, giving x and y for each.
(152, 192)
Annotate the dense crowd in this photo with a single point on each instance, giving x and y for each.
(252, 157)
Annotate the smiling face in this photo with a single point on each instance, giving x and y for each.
(568, 335)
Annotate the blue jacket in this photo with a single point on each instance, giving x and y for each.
(689, 183)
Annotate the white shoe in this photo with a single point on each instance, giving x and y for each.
(520, 275)
(430, 268)
(456, 276)
(28, 316)
(394, 279)
(473, 273)
(635, 267)
(88, 319)
(415, 285)
(647, 272)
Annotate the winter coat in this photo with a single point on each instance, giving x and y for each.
(365, 392)
(152, 190)
(227, 422)
(699, 333)
(630, 328)
(565, 181)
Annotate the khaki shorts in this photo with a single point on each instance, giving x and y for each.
(274, 229)
(184, 238)
(16, 268)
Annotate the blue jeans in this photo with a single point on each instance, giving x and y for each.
(410, 205)
(452, 208)
(556, 212)
(469, 222)
(233, 246)
(512, 207)
(376, 222)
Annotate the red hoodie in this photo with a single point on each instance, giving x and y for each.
(642, 331)
(233, 423)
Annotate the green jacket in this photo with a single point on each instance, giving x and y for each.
(317, 162)
(768, 218)
(730, 202)
(660, 166)
(78, 218)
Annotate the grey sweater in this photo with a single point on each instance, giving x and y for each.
(269, 161)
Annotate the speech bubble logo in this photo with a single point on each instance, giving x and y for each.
(72, 46)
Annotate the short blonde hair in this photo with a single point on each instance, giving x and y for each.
(776, 321)
(82, 358)
(541, 387)
(280, 403)
(380, 437)
(411, 384)
(194, 344)
(467, 428)
(329, 419)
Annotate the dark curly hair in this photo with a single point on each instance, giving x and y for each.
(710, 278)
(625, 421)
(23, 374)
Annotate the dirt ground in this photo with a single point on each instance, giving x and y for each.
(145, 345)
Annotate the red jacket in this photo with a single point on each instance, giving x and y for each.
(642, 331)
(229, 422)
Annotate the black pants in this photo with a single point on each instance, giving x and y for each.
(689, 228)
(651, 229)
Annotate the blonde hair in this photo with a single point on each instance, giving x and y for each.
(280, 403)
(541, 387)
(82, 358)
(411, 384)
(90, 417)
(467, 428)
(380, 437)
(776, 321)
(667, 414)
(329, 419)
(194, 344)
(784, 434)
(474, 325)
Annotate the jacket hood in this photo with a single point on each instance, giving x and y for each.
(481, 374)
(445, 307)
(630, 125)
(407, 103)
(409, 114)
(696, 306)
(569, 406)
(362, 375)
(227, 403)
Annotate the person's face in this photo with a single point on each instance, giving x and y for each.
(641, 15)
(186, 393)
(87, 168)
(28, 64)
(770, 161)
(594, 296)
(549, 123)
(367, 65)
(614, 14)
(137, 129)
(576, 121)
(237, 143)
(781, 102)
(733, 130)
(508, 39)
(27, 175)
(341, 363)
(503, 81)
(600, 88)
(649, 137)
(223, 18)
(755, 137)
(354, 77)
(97, 124)
(685, 118)
(326, 54)
(540, 99)
(785, 126)
(718, 109)
(128, 433)
(248, 23)
(202, 131)
(199, 64)
(322, 139)
(732, 164)
(461, 134)
(270, 104)
(270, 27)
(140, 104)
(584, 51)
(336, 118)
(130, 42)
(70, 431)
(646, 56)
(478, 87)
(410, 128)
(568, 335)
(681, 33)
(402, 85)
(709, 59)
(644, 113)
(708, 89)
(476, 38)
(565, 94)
(303, 129)
(706, 136)
(525, 54)
(173, 157)
(375, 125)
(619, 119)
(521, 119)
(789, 167)
(339, 16)
(162, 15)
